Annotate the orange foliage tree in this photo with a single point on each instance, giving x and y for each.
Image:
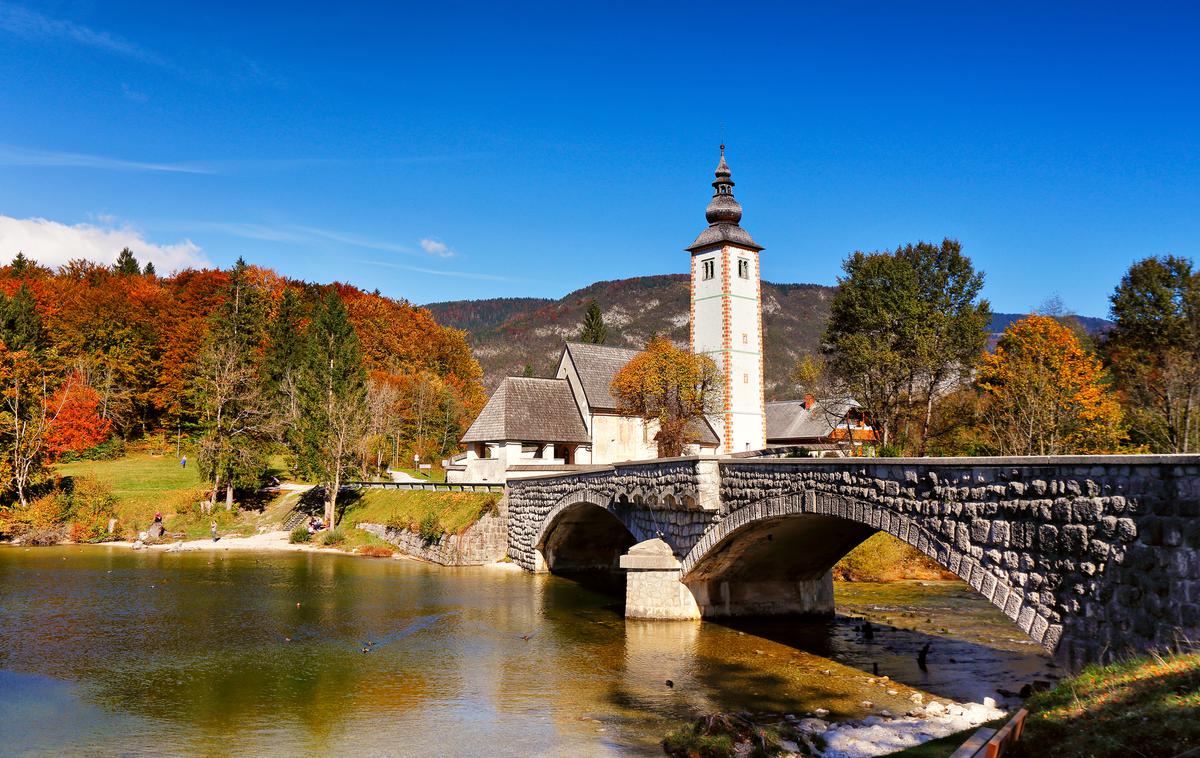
(1045, 395)
(76, 424)
(669, 386)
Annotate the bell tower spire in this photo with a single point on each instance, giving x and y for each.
(726, 315)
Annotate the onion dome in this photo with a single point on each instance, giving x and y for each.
(724, 213)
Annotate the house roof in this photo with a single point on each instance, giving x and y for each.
(596, 366)
(790, 420)
(524, 409)
(700, 431)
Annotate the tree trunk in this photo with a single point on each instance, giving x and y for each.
(216, 490)
(229, 496)
(331, 500)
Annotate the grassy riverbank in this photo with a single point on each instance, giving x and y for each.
(883, 558)
(142, 485)
(420, 511)
(1148, 707)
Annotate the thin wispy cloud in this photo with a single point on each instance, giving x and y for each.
(27, 24)
(440, 272)
(312, 235)
(11, 155)
(355, 240)
(436, 247)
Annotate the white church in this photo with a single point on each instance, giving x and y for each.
(535, 426)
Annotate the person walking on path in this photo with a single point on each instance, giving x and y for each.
(183, 462)
(213, 529)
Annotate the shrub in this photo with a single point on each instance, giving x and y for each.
(105, 451)
(430, 529)
(333, 537)
(92, 507)
(376, 551)
(300, 535)
(42, 521)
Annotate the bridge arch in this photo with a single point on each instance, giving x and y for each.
(582, 532)
(774, 556)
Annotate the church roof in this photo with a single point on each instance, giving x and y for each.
(524, 409)
(724, 213)
(790, 420)
(596, 366)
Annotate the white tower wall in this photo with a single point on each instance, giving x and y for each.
(727, 326)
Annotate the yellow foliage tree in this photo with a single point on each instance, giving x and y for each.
(1045, 395)
(669, 385)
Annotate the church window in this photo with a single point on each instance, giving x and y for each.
(743, 268)
(745, 338)
(745, 378)
(708, 269)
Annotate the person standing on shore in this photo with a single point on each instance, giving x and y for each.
(213, 529)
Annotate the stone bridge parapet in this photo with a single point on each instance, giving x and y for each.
(1091, 556)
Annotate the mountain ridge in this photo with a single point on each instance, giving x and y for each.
(507, 334)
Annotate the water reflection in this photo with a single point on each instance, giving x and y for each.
(263, 654)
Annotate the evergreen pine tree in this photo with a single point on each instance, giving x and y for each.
(333, 397)
(528, 372)
(20, 264)
(126, 264)
(284, 358)
(20, 325)
(594, 330)
(149, 269)
(239, 422)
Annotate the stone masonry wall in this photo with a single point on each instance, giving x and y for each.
(1091, 557)
(674, 497)
(485, 541)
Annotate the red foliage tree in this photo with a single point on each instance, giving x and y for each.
(76, 424)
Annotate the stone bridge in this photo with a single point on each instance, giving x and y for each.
(1091, 556)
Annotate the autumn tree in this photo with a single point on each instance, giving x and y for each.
(903, 326)
(333, 391)
(671, 387)
(1045, 395)
(594, 330)
(27, 413)
(76, 424)
(1154, 349)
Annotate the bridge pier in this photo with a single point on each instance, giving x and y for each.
(798, 597)
(653, 589)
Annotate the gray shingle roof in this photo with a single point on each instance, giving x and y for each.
(524, 409)
(596, 366)
(719, 234)
(790, 420)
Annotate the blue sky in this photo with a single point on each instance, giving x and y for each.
(458, 150)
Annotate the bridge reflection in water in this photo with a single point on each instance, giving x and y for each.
(1091, 556)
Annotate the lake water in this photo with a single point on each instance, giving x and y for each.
(108, 651)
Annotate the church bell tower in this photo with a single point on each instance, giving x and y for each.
(726, 317)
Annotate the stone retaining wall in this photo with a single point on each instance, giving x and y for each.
(485, 541)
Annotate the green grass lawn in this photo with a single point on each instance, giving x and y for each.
(142, 484)
(429, 475)
(453, 511)
(1147, 707)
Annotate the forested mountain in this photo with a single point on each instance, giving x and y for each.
(509, 333)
